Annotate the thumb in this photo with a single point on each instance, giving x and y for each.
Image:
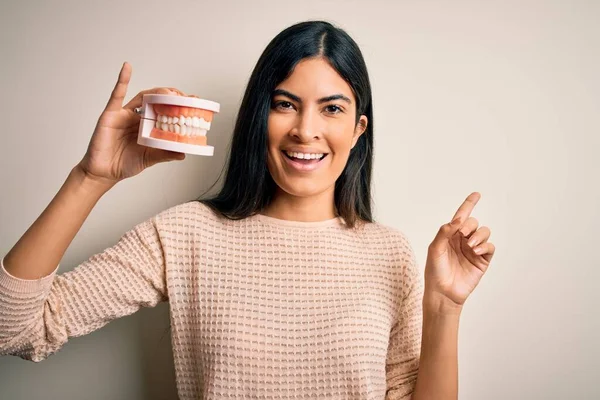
(154, 156)
(120, 90)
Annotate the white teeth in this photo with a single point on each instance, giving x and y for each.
(186, 126)
(305, 156)
(195, 122)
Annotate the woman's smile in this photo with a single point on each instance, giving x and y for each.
(304, 160)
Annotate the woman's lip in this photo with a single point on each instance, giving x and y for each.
(301, 166)
(303, 150)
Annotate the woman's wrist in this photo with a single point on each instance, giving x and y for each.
(435, 303)
(90, 184)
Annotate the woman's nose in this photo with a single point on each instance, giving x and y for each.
(308, 127)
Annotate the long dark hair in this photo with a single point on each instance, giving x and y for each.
(248, 187)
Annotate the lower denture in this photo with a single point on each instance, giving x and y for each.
(177, 137)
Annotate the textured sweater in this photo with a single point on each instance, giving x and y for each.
(260, 308)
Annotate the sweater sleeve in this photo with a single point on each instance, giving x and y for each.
(37, 317)
(404, 348)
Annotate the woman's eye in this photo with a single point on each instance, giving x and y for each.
(284, 105)
(333, 109)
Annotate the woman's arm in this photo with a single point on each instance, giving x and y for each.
(438, 366)
(39, 310)
(457, 258)
(38, 316)
(113, 154)
(43, 245)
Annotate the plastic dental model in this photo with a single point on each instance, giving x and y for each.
(176, 123)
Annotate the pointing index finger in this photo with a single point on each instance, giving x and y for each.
(465, 209)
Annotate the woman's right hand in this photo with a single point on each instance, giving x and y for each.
(113, 153)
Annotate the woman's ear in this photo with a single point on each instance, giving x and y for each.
(361, 127)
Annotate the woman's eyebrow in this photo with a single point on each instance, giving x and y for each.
(281, 92)
(335, 97)
(297, 99)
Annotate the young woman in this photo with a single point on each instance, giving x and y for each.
(281, 285)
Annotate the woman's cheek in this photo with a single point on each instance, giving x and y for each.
(340, 141)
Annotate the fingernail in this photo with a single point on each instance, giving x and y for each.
(478, 250)
(471, 243)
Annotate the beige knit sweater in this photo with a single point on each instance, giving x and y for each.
(260, 308)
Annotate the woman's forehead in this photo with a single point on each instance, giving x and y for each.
(314, 79)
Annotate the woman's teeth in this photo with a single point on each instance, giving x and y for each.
(188, 126)
(305, 156)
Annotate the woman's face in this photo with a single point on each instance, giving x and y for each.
(311, 129)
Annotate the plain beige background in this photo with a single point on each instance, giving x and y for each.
(496, 97)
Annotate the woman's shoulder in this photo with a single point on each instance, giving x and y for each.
(189, 214)
(400, 251)
(394, 240)
(384, 231)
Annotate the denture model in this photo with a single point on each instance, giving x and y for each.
(176, 123)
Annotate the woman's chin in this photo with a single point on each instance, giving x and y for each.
(303, 189)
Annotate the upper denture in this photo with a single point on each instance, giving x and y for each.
(175, 111)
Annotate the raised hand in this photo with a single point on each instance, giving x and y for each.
(457, 259)
(113, 153)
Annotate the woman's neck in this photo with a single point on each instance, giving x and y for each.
(320, 207)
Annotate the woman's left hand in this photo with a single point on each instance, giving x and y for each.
(456, 260)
